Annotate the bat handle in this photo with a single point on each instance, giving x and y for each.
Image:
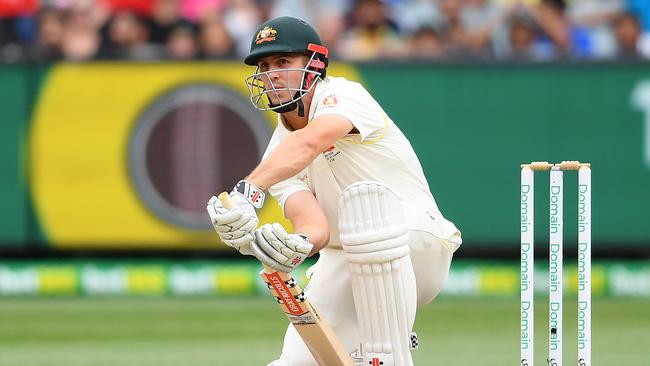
(267, 269)
(225, 200)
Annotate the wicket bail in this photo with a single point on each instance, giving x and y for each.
(555, 261)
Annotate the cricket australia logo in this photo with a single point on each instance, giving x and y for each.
(331, 153)
(330, 101)
(266, 34)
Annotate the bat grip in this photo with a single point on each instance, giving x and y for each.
(225, 200)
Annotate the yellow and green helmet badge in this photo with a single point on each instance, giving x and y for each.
(281, 35)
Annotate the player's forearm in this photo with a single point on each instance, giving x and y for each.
(294, 154)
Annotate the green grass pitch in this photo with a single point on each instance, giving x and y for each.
(248, 331)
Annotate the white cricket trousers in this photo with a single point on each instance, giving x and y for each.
(330, 292)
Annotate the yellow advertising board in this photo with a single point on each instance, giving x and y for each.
(123, 155)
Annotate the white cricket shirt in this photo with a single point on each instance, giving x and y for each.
(380, 152)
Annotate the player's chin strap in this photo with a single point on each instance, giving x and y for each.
(291, 106)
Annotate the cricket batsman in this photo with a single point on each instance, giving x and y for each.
(351, 185)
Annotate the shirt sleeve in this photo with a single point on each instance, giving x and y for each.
(354, 103)
(283, 190)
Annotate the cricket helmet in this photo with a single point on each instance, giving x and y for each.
(285, 35)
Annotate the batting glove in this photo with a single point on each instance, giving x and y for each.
(278, 249)
(235, 226)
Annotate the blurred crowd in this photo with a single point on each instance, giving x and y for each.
(358, 30)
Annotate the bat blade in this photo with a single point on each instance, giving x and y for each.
(324, 345)
(319, 337)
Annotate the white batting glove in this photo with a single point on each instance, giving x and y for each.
(235, 226)
(278, 249)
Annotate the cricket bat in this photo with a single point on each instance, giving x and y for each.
(319, 337)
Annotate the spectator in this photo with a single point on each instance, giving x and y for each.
(265, 8)
(484, 23)
(308, 10)
(94, 13)
(554, 36)
(522, 39)
(164, 15)
(371, 35)
(628, 35)
(241, 19)
(330, 27)
(215, 41)
(301, 9)
(51, 26)
(128, 38)
(554, 39)
(641, 8)
(81, 40)
(426, 44)
(450, 11)
(352, 29)
(596, 18)
(410, 15)
(453, 30)
(467, 26)
(182, 43)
